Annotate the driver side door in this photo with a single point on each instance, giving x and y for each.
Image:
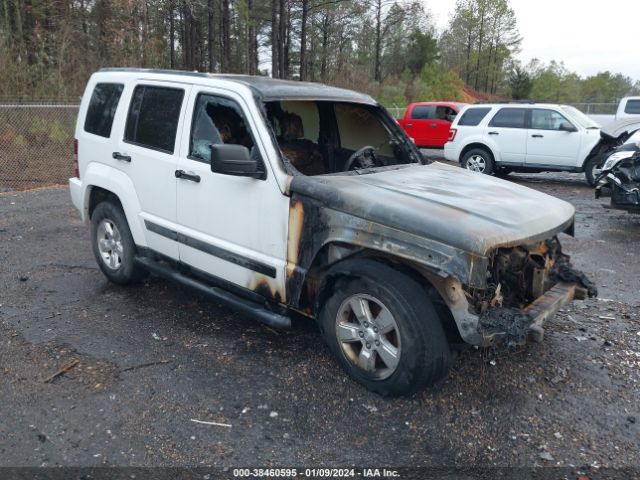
(547, 144)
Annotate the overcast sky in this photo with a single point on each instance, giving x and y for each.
(589, 36)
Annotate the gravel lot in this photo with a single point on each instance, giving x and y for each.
(155, 356)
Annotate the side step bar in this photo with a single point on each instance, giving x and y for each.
(260, 312)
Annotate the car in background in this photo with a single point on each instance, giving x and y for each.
(529, 137)
(629, 107)
(620, 177)
(428, 123)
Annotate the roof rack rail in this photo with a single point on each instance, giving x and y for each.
(500, 102)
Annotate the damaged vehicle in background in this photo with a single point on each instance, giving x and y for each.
(620, 177)
(283, 198)
(614, 135)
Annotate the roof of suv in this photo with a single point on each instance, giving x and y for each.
(267, 88)
(518, 105)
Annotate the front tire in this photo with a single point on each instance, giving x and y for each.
(384, 331)
(592, 169)
(113, 244)
(478, 160)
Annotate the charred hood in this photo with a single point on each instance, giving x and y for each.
(463, 209)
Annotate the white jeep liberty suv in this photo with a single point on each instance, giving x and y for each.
(279, 196)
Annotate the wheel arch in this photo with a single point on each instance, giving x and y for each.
(103, 183)
(478, 145)
(323, 276)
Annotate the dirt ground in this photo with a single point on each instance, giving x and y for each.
(155, 357)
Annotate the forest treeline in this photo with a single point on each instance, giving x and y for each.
(389, 48)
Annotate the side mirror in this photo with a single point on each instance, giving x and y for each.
(567, 127)
(234, 160)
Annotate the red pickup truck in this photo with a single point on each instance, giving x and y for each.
(428, 122)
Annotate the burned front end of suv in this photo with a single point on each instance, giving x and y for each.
(620, 179)
(487, 250)
(526, 285)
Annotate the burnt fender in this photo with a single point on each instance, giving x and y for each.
(312, 226)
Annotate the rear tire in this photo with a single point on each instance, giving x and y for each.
(384, 331)
(478, 160)
(592, 169)
(113, 244)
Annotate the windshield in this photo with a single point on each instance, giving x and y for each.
(579, 117)
(324, 137)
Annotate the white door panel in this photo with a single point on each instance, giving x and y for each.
(551, 147)
(152, 171)
(511, 143)
(232, 227)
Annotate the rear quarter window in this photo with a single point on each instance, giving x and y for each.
(102, 108)
(632, 107)
(473, 116)
(153, 117)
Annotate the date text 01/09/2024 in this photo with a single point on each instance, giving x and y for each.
(285, 473)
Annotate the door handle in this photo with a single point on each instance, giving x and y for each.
(537, 136)
(433, 125)
(187, 176)
(409, 125)
(494, 133)
(120, 156)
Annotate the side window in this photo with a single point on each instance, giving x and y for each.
(218, 120)
(632, 107)
(102, 108)
(547, 119)
(445, 113)
(153, 117)
(473, 116)
(509, 118)
(423, 112)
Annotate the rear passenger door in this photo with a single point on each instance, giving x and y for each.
(440, 133)
(419, 124)
(507, 130)
(147, 152)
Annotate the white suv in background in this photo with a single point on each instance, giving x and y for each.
(526, 137)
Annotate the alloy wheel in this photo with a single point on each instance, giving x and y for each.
(368, 335)
(110, 244)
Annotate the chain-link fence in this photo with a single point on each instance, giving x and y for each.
(36, 143)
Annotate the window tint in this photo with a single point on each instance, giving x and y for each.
(473, 116)
(547, 119)
(153, 117)
(218, 120)
(423, 112)
(632, 106)
(509, 118)
(102, 108)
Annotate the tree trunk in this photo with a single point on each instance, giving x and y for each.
(480, 40)
(303, 39)
(172, 35)
(226, 36)
(275, 69)
(377, 69)
(282, 36)
(325, 48)
(212, 67)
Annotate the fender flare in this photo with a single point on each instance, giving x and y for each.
(118, 183)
